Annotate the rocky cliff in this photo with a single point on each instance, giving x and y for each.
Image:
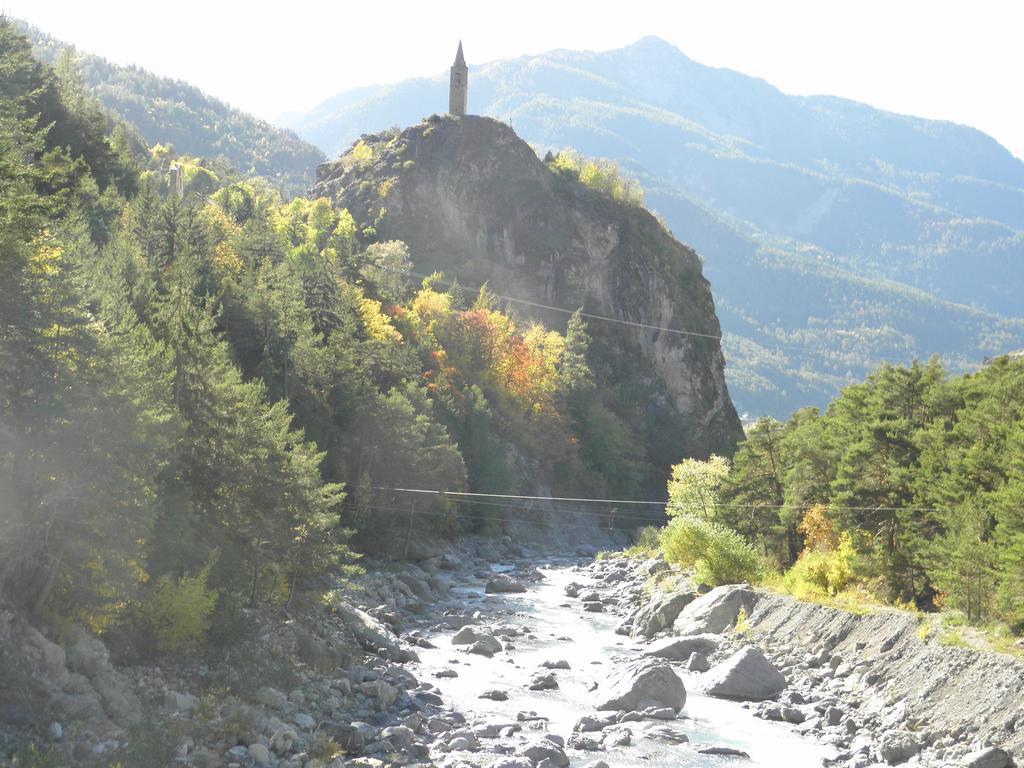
(471, 199)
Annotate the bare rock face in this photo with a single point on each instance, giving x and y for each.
(472, 199)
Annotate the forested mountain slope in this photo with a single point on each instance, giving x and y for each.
(167, 111)
(817, 191)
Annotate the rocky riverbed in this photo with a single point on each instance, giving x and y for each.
(495, 656)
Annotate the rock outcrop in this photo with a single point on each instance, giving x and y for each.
(472, 199)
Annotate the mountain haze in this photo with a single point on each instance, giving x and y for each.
(883, 236)
(168, 111)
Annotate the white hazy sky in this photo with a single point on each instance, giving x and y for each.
(953, 60)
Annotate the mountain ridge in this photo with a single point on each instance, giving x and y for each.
(931, 205)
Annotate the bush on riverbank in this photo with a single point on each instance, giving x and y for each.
(718, 555)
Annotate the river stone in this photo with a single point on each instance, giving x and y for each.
(698, 662)
(511, 762)
(666, 734)
(680, 648)
(560, 664)
(503, 583)
(585, 743)
(544, 749)
(495, 695)
(588, 723)
(659, 613)
(546, 682)
(593, 606)
(486, 645)
(716, 611)
(616, 737)
(465, 636)
(259, 753)
(897, 746)
(399, 735)
(991, 757)
(648, 681)
(723, 751)
(745, 676)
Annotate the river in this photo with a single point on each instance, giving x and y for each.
(555, 628)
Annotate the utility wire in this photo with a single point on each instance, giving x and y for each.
(468, 495)
(588, 315)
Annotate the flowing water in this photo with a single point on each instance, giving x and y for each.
(588, 642)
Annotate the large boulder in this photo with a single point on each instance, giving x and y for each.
(503, 583)
(898, 746)
(745, 676)
(990, 757)
(466, 636)
(716, 611)
(681, 648)
(659, 613)
(642, 684)
(486, 645)
(544, 749)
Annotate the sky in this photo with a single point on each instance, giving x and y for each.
(944, 59)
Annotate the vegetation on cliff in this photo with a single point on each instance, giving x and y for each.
(201, 394)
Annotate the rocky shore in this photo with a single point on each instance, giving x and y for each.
(869, 685)
(458, 662)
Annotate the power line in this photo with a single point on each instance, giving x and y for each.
(516, 496)
(587, 315)
(457, 495)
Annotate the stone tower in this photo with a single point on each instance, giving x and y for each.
(458, 92)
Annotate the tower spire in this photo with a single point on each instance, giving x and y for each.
(458, 84)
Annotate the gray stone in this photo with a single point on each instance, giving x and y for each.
(546, 682)
(666, 734)
(898, 746)
(745, 676)
(511, 762)
(259, 753)
(659, 613)
(544, 749)
(304, 721)
(647, 681)
(560, 664)
(698, 662)
(399, 735)
(990, 757)
(585, 743)
(593, 606)
(681, 648)
(722, 751)
(465, 636)
(494, 695)
(616, 737)
(486, 645)
(716, 611)
(502, 583)
(55, 731)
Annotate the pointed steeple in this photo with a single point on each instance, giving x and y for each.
(458, 91)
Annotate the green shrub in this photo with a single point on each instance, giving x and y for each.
(179, 611)
(717, 554)
(822, 573)
(645, 541)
